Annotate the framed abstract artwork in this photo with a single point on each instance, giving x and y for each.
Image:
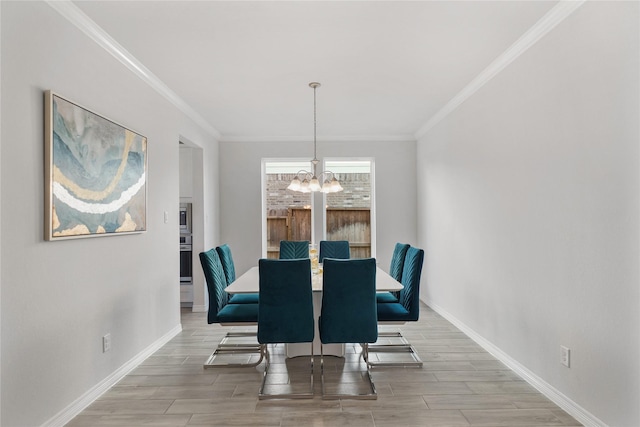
(95, 174)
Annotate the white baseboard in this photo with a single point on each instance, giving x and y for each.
(71, 411)
(568, 405)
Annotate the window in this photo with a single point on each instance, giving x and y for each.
(349, 214)
(286, 214)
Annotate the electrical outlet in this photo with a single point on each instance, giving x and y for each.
(106, 343)
(565, 356)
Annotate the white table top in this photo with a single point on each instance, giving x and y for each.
(249, 282)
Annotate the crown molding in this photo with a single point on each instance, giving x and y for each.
(552, 18)
(78, 18)
(335, 138)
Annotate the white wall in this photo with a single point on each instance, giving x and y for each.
(240, 187)
(60, 298)
(1, 203)
(529, 211)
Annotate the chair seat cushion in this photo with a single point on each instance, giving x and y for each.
(385, 297)
(389, 312)
(244, 298)
(238, 313)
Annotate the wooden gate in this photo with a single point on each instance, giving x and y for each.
(296, 225)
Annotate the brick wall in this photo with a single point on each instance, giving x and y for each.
(279, 199)
(356, 193)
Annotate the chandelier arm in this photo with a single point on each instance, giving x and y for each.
(304, 172)
(327, 172)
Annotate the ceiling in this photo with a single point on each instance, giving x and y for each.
(386, 67)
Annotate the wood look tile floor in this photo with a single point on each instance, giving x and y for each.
(460, 384)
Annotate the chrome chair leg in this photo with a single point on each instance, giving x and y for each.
(262, 395)
(226, 348)
(267, 364)
(312, 361)
(370, 395)
(403, 347)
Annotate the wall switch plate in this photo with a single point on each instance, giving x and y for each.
(106, 343)
(166, 217)
(565, 356)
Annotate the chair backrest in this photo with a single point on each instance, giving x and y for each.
(224, 252)
(337, 249)
(397, 261)
(216, 283)
(285, 308)
(349, 309)
(294, 249)
(410, 293)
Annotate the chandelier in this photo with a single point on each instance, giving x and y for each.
(310, 181)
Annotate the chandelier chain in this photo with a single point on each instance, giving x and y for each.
(315, 144)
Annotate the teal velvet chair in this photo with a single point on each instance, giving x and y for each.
(348, 313)
(285, 313)
(407, 309)
(224, 252)
(294, 249)
(223, 312)
(337, 249)
(226, 259)
(395, 271)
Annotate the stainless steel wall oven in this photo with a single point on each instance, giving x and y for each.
(186, 259)
(186, 256)
(185, 218)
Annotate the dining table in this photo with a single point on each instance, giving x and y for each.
(249, 282)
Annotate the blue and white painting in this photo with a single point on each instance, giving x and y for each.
(97, 173)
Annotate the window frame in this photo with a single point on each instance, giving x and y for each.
(372, 164)
(263, 196)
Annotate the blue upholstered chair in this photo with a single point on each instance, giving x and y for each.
(224, 252)
(337, 249)
(285, 310)
(395, 271)
(226, 259)
(407, 309)
(294, 249)
(222, 312)
(348, 313)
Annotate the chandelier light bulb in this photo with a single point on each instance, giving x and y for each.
(314, 184)
(295, 184)
(335, 186)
